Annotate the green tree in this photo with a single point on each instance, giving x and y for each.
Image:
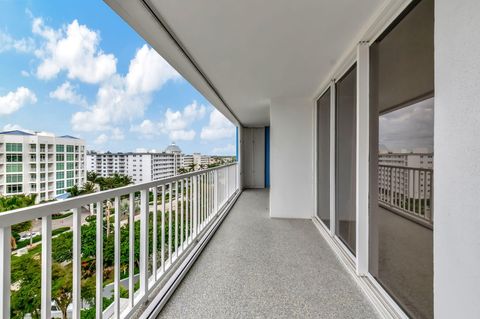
(25, 274)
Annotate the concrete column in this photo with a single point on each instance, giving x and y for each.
(291, 158)
(457, 164)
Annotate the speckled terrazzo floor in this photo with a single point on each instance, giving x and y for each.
(258, 267)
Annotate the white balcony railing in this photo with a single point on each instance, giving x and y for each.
(407, 190)
(187, 205)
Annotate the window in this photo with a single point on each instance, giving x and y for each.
(402, 113)
(323, 158)
(14, 178)
(60, 148)
(61, 166)
(60, 175)
(69, 148)
(33, 157)
(69, 174)
(60, 184)
(70, 157)
(345, 146)
(13, 158)
(60, 191)
(14, 189)
(60, 157)
(14, 147)
(70, 183)
(14, 168)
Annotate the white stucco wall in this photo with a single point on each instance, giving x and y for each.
(291, 158)
(457, 159)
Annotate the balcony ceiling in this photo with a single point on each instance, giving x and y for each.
(253, 51)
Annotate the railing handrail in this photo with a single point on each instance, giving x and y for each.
(407, 167)
(20, 215)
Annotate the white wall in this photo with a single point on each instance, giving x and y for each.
(253, 163)
(291, 158)
(457, 164)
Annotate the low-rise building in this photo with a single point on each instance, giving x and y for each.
(40, 163)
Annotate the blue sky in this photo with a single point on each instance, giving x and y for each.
(75, 67)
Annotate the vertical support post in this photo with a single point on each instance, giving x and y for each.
(77, 262)
(144, 243)
(182, 208)
(176, 219)
(99, 262)
(162, 246)
(215, 191)
(5, 255)
(195, 205)
(46, 303)
(333, 125)
(362, 155)
(116, 262)
(170, 223)
(190, 194)
(155, 233)
(227, 173)
(131, 248)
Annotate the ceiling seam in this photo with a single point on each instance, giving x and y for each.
(174, 38)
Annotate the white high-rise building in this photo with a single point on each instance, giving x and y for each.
(42, 164)
(140, 166)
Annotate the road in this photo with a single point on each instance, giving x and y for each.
(58, 223)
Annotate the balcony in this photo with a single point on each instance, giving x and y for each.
(257, 267)
(206, 197)
(267, 264)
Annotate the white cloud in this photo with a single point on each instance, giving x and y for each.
(408, 128)
(25, 73)
(182, 135)
(13, 101)
(74, 49)
(101, 139)
(146, 128)
(67, 93)
(115, 134)
(7, 43)
(218, 127)
(125, 98)
(15, 127)
(174, 123)
(148, 72)
(226, 150)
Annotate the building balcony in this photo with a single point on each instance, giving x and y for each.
(257, 267)
(206, 197)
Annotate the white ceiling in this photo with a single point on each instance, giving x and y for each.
(253, 50)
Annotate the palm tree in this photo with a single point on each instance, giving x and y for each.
(88, 188)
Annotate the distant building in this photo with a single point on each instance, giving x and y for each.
(140, 166)
(407, 174)
(39, 163)
(196, 159)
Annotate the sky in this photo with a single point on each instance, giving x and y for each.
(76, 68)
(409, 128)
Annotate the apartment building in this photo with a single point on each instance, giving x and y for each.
(140, 166)
(42, 164)
(196, 159)
(413, 159)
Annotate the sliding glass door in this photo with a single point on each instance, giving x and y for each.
(345, 150)
(323, 158)
(401, 217)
